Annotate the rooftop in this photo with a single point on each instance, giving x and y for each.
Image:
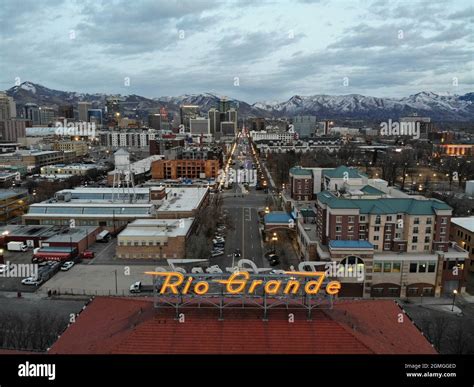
(277, 217)
(133, 326)
(300, 171)
(157, 228)
(342, 172)
(467, 223)
(345, 244)
(408, 205)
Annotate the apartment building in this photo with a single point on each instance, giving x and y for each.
(182, 168)
(79, 147)
(402, 244)
(462, 232)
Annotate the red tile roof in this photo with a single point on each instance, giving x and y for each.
(132, 326)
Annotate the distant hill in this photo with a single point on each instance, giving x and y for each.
(440, 107)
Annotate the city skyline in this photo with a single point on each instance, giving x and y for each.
(264, 52)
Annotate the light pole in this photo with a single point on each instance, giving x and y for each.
(454, 299)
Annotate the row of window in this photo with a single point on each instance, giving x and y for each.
(142, 243)
(388, 218)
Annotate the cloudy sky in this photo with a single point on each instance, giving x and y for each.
(255, 50)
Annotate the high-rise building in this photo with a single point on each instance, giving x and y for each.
(113, 107)
(187, 112)
(83, 108)
(199, 125)
(66, 111)
(154, 121)
(11, 129)
(47, 115)
(95, 116)
(214, 121)
(31, 112)
(305, 126)
(7, 107)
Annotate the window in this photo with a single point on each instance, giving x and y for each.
(389, 218)
(376, 229)
(422, 267)
(426, 248)
(338, 219)
(413, 267)
(393, 292)
(377, 267)
(415, 230)
(442, 230)
(388, 237)
(338, 228)
(416, 221)
(387, 246)
(376, 237)
(414, 239)
(396, 267)
(413, 247)
(399, 216)
(428, 230)
(444, 220)
(350, 228)
(362, 218)
(351, 219)
(429, 221)
(387, 267)
(361, 237)
(376, 247)
(362, 227)
(377, 219)
(431, 267)
(338, 237)
(427, 239)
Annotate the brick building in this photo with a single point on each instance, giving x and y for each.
(192, 169)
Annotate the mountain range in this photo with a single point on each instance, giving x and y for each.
(440, 107)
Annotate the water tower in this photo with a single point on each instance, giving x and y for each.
(123, 184)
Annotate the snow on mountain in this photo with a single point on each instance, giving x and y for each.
(438, 106)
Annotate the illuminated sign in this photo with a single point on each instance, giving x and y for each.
(240, 282)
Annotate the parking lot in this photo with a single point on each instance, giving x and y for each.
(10, 283)
(98, 279)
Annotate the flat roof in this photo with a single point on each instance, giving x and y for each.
(157, 228)
(466, 223)
(75, 234)
(277, 217)
(345, 244)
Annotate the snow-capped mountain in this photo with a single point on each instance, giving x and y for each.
(440, 107)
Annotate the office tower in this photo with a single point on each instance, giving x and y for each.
(31, 112)
(11, 129)
(113, 106)
(305, 126)
(199, 125)
(66, 111)
(47, 115)
(83, 108)
(187, 112)
(224, 105)
(94, 115)
(214, 121)
(154, 121)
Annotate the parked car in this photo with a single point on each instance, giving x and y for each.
(32, 281)
(67, 265)
(87, 254)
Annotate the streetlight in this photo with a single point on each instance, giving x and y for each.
(454, 299)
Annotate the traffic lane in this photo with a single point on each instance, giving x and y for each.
(252, 237)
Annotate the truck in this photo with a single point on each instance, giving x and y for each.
(104, 236)
(52, 253)
(138, 287)
(16, 246)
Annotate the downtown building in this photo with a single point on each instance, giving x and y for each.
(400, 242)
